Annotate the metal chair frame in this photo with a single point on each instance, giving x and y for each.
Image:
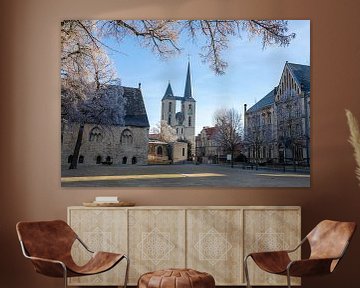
(23, 249)
(288, 276)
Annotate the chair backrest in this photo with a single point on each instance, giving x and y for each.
(329, 239)
(46, 239)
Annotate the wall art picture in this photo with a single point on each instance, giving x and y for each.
(185, 103)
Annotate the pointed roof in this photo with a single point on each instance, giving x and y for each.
(266, 101)
(301, 74)
(188, 92)
(168, 93)
(135, 111)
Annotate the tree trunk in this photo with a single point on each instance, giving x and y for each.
(232, 158)
(75, 157)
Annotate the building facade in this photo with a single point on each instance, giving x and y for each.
(277, 128)
(161, 152)
(208, 150)
(111, 144)
(180, 111)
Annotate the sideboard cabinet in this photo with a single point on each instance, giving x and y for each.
(212, 239)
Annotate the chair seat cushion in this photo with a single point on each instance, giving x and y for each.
(176, 278)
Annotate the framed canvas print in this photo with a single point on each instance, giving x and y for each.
(175, 103)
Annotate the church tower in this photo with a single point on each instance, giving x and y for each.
(183, 119)
(168, 106)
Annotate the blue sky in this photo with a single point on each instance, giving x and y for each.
(251, 74)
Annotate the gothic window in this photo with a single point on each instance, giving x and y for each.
(159, 151)
(95, 135)
(81, 159)
(124, 160)
(189, 121)
(133, 160)
(126, 137)
(98, 159)
(170, 106)
(169, 119)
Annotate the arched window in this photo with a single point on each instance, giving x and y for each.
(126, 137)
(70, 158)
(124, 160)
(108, 159)
(159, 151)
(189, 121)
(133, 160)
(95, 135)
(81, 159)
(98, 159)
(170, 106)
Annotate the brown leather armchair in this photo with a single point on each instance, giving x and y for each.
(48, 245)
(328, 242)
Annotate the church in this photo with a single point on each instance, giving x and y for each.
(179, 112)
(114, 144)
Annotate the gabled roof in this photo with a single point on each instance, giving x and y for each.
(266, 101)
(301, 75)
(135, 112)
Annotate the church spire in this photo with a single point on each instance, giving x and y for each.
(188, 92)
(168, 92)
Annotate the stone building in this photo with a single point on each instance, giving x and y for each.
(161, 152)
(115, 144)
(260, 130)
(183, 119)
(208, 151)
(277, 128)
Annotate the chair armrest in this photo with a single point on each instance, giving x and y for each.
(48, 267)
(309, 267)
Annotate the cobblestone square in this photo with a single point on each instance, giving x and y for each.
(185, 175)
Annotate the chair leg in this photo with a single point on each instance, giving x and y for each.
(126, 271)
(65, 275)
(246, 270)
(288, 278)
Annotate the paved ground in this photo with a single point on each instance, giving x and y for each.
(186, 175)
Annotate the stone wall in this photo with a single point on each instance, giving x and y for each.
(122, 145)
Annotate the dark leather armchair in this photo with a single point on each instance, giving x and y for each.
(328, 242)
(48, 245)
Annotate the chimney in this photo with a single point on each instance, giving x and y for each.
(245, 108)
(139, 85)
